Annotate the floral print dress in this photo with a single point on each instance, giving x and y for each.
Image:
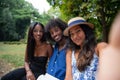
(90, 71)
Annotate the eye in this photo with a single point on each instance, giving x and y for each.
(56, 29)
(78, 31)
(71, 34)
(35, 31)
(51, 33)
(41, 31)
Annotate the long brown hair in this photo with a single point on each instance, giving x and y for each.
(87, 50)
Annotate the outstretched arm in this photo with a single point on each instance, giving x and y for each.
(109, 58)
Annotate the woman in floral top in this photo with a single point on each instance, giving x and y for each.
(82, 56)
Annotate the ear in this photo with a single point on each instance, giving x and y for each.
(114, 37)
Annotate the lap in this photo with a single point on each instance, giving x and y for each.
(15, 74)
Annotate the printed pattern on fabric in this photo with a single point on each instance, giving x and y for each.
(89, 73)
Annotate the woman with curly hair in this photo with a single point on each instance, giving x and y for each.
(57, 64)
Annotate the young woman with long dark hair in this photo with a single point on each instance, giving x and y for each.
(36, 56)
(82, 55)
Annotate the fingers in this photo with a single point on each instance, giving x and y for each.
(30, 76)
(114, 38)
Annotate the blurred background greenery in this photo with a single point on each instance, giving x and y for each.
(16, 15)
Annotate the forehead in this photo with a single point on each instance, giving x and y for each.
(54, 29)
(74, 28)
(38, 27)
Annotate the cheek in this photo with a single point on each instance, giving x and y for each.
(59, 33)
(51, 35)
(42, 34)
(73, 40)
(83, 35)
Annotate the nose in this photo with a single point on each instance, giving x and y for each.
(38, 32)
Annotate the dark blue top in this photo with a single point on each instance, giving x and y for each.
(57, 63)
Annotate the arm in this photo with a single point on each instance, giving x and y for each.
(26, 64)
(100, 46)
(29, 74)
(109, 61)
(114, 37)
(68, 65)
(109, 65)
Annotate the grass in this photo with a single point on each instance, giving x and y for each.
(13, 53)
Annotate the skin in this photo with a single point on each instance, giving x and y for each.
(41, 49)
(57, 35)
(77, 35)
(37, 33)
(109, 63)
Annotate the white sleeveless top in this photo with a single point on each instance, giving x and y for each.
(90, 71)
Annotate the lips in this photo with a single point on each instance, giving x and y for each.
(38, 37)
(77, 41)
(57, 38)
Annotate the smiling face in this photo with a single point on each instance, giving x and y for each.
(77, 35)
(37, 33)
(56, 33)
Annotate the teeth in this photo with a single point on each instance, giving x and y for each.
(56, 37)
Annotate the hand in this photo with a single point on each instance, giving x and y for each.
(30, 76)
(109, 65)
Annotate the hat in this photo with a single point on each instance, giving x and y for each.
(76, 21)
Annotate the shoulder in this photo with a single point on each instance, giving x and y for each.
(100, 46)
(68, 53)
(103, 44)
(48, 45)
(49, 49)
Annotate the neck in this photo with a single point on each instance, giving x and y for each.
(38, 43)
(62, 43)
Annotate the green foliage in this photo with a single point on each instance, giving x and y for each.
(13, 54)
(54, 12)
(16, 15)
(7, 26)
(43, 18)
(103, 11)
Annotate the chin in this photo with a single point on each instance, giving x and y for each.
(78, 44)
(57, 40)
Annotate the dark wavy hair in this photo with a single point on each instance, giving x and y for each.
(87, 50)
(55, 22)
(31, 41)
